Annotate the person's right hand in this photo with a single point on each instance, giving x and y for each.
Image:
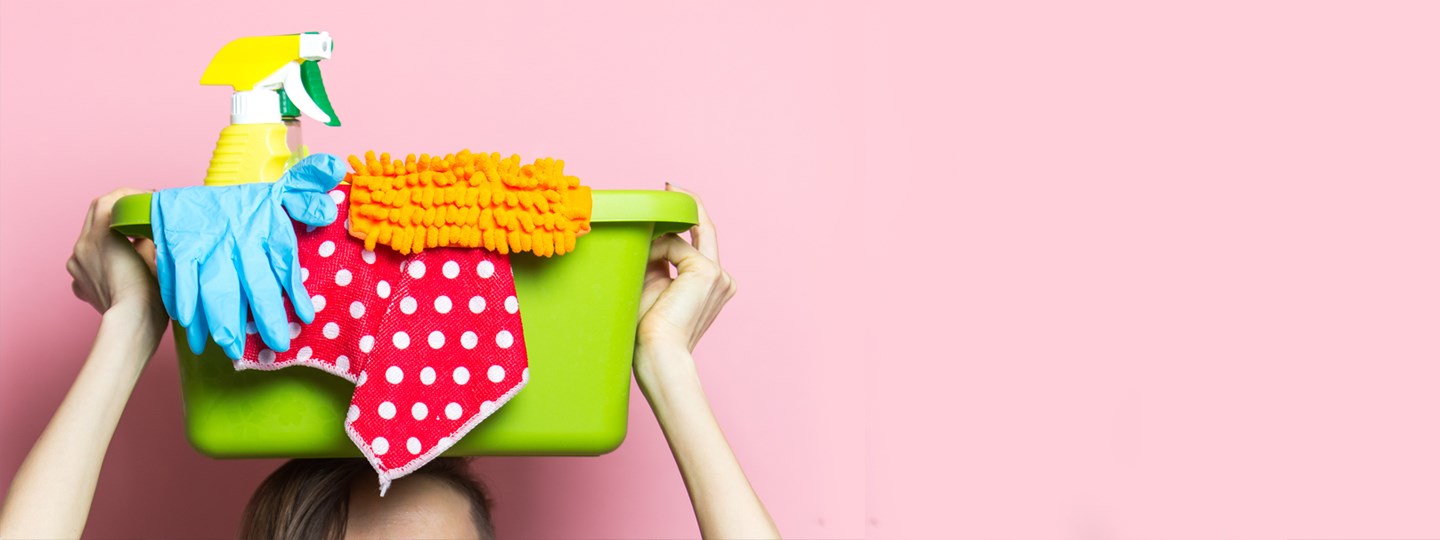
(676, 312)
(110, 270)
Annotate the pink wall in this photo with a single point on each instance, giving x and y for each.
(1174, 276)
(728, 102)
(1192, 288)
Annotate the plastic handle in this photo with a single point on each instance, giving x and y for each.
(315, 86)
(301, 98)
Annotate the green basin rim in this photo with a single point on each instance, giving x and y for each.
(131, 216)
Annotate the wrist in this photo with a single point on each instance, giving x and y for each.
(667, 377)
(663, 361)
(144, 309)
(135, 326)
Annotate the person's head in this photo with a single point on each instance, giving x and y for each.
(340, 498)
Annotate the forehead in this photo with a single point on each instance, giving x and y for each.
(415, 507)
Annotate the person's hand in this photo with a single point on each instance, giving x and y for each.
(676, 311)
(109, 269)
(50, 494)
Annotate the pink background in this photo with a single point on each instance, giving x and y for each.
(1191, 284)
(1113, 271)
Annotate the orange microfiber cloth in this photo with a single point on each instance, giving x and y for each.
(466, 200)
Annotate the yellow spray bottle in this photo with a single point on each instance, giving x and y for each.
(254, 147)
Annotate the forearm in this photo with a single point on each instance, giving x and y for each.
(725, 504)
(51, 493)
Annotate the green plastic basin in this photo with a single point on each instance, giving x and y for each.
(580, 316)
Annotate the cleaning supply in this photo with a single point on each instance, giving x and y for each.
(432, 341)
(580, 312)
(254, 147)
(223, 251)
(467, 200)
(370, 309)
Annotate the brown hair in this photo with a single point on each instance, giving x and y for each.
(310, 498)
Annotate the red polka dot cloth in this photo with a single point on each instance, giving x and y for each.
(432, 341)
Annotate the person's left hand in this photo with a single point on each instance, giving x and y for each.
(109, 269)
(676, 312)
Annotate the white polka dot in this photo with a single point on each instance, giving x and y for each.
(408, 305)
(427, 376)
(364, 375)
(417, 269)
(367, 343)
(477, 304)
(250, 326)
(413, 445)
(367, 256)
(469, 340)
(267, 356)
(347, 223)
(419, 411)
(294, 330)
(380, 446)
(383, 289)
(495, 373)
(327, 249)
(442, 304)
(352, 414)
(511, 304)
(342, 363)
(343, 277)
(487, 408)
(525, 375)
(319, 303)
(357, 309)
(331, 330)
(394, 374)
(337, 196)
(504, 339)
(445, 442)
(401, 340)
(451, 269)
(304, 354)
(437, 339)
(304, 275)
(461, 375)
(452, 411)
(386, 410)
(485, 269)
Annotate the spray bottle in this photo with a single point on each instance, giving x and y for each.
(256, 146)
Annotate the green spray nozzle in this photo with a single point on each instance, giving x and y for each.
(314, 87)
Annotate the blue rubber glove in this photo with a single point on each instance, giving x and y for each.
(222, 252)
